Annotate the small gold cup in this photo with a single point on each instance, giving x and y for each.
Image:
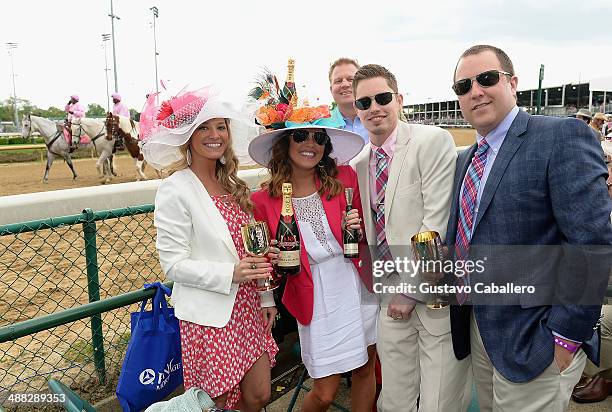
(427, 248)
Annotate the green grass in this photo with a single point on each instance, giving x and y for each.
(32, 155)
(80, 351)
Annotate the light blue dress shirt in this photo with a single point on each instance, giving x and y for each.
(356, 126)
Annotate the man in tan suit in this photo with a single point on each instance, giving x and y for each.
(405, 180)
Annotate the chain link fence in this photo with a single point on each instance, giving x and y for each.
(55, 264)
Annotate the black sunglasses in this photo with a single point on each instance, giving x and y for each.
(484, 79)
(382, 99)
(300, 136)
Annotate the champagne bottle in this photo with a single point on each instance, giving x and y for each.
(289, 91)
(350, 237)
(288, 237)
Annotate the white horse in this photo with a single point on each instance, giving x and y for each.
(57, 146)
(96, 130)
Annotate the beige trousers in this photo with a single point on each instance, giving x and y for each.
(415, 363)
(550, 391)
(605, 361)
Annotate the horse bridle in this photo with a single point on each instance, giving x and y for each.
(93, 139)
(29, 128)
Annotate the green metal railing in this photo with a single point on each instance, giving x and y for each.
(53, 274)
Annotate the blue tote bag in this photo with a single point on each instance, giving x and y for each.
(152, 367)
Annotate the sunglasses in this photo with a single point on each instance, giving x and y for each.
(485, 79)
(300, 136)
(382, 99)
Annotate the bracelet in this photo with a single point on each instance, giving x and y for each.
(567, 346)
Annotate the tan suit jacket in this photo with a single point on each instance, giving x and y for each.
(417, 199)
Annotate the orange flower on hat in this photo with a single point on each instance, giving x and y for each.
(309, 114)
(267, 115)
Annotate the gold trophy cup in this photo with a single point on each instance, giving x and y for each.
(427, 248)
(256, 239)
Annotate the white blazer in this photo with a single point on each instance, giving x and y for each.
(196, 251)
(417, 199)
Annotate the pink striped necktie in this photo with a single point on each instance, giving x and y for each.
(467, 205)
(382, 175)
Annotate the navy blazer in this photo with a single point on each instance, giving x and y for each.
(546, 187)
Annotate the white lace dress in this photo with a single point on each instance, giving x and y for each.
(344, 316)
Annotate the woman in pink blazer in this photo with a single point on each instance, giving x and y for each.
(331, 296)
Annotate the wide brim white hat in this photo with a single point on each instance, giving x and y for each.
(161, 144)
(346, 145)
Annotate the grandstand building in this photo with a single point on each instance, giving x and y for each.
(565, 100)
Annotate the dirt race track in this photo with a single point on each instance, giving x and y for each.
(18, 178)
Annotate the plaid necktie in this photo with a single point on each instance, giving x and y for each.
(382, 175)
(467, 204)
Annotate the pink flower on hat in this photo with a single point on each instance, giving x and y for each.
(179, 110)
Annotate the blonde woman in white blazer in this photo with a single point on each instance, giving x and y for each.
(226, 342)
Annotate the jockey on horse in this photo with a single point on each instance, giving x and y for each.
(119, 109)
(73, 109)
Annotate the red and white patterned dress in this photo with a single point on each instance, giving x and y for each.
(216, 359)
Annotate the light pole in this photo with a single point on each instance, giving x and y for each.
(113, 17)
(106, 38)
(155, 11)
(10, 47)
(541, 77)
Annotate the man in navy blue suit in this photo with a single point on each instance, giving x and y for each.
(528, 182)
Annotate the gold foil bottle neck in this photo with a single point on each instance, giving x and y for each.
(287, 189)
(348, 195)
(291, 71)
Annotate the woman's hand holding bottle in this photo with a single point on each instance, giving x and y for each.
(353, 221)
(273, 252)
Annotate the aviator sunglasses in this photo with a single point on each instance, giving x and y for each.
(485, 79)
(381, 99)
(300, 136)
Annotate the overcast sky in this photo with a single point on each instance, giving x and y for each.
(227, 42)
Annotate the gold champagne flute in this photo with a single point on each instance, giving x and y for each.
(256, 239)
(427, 248)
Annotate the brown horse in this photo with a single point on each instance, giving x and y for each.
(125, 130)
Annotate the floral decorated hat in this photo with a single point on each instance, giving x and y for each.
(279, 113)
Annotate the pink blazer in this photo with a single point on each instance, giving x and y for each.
(298, 296)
